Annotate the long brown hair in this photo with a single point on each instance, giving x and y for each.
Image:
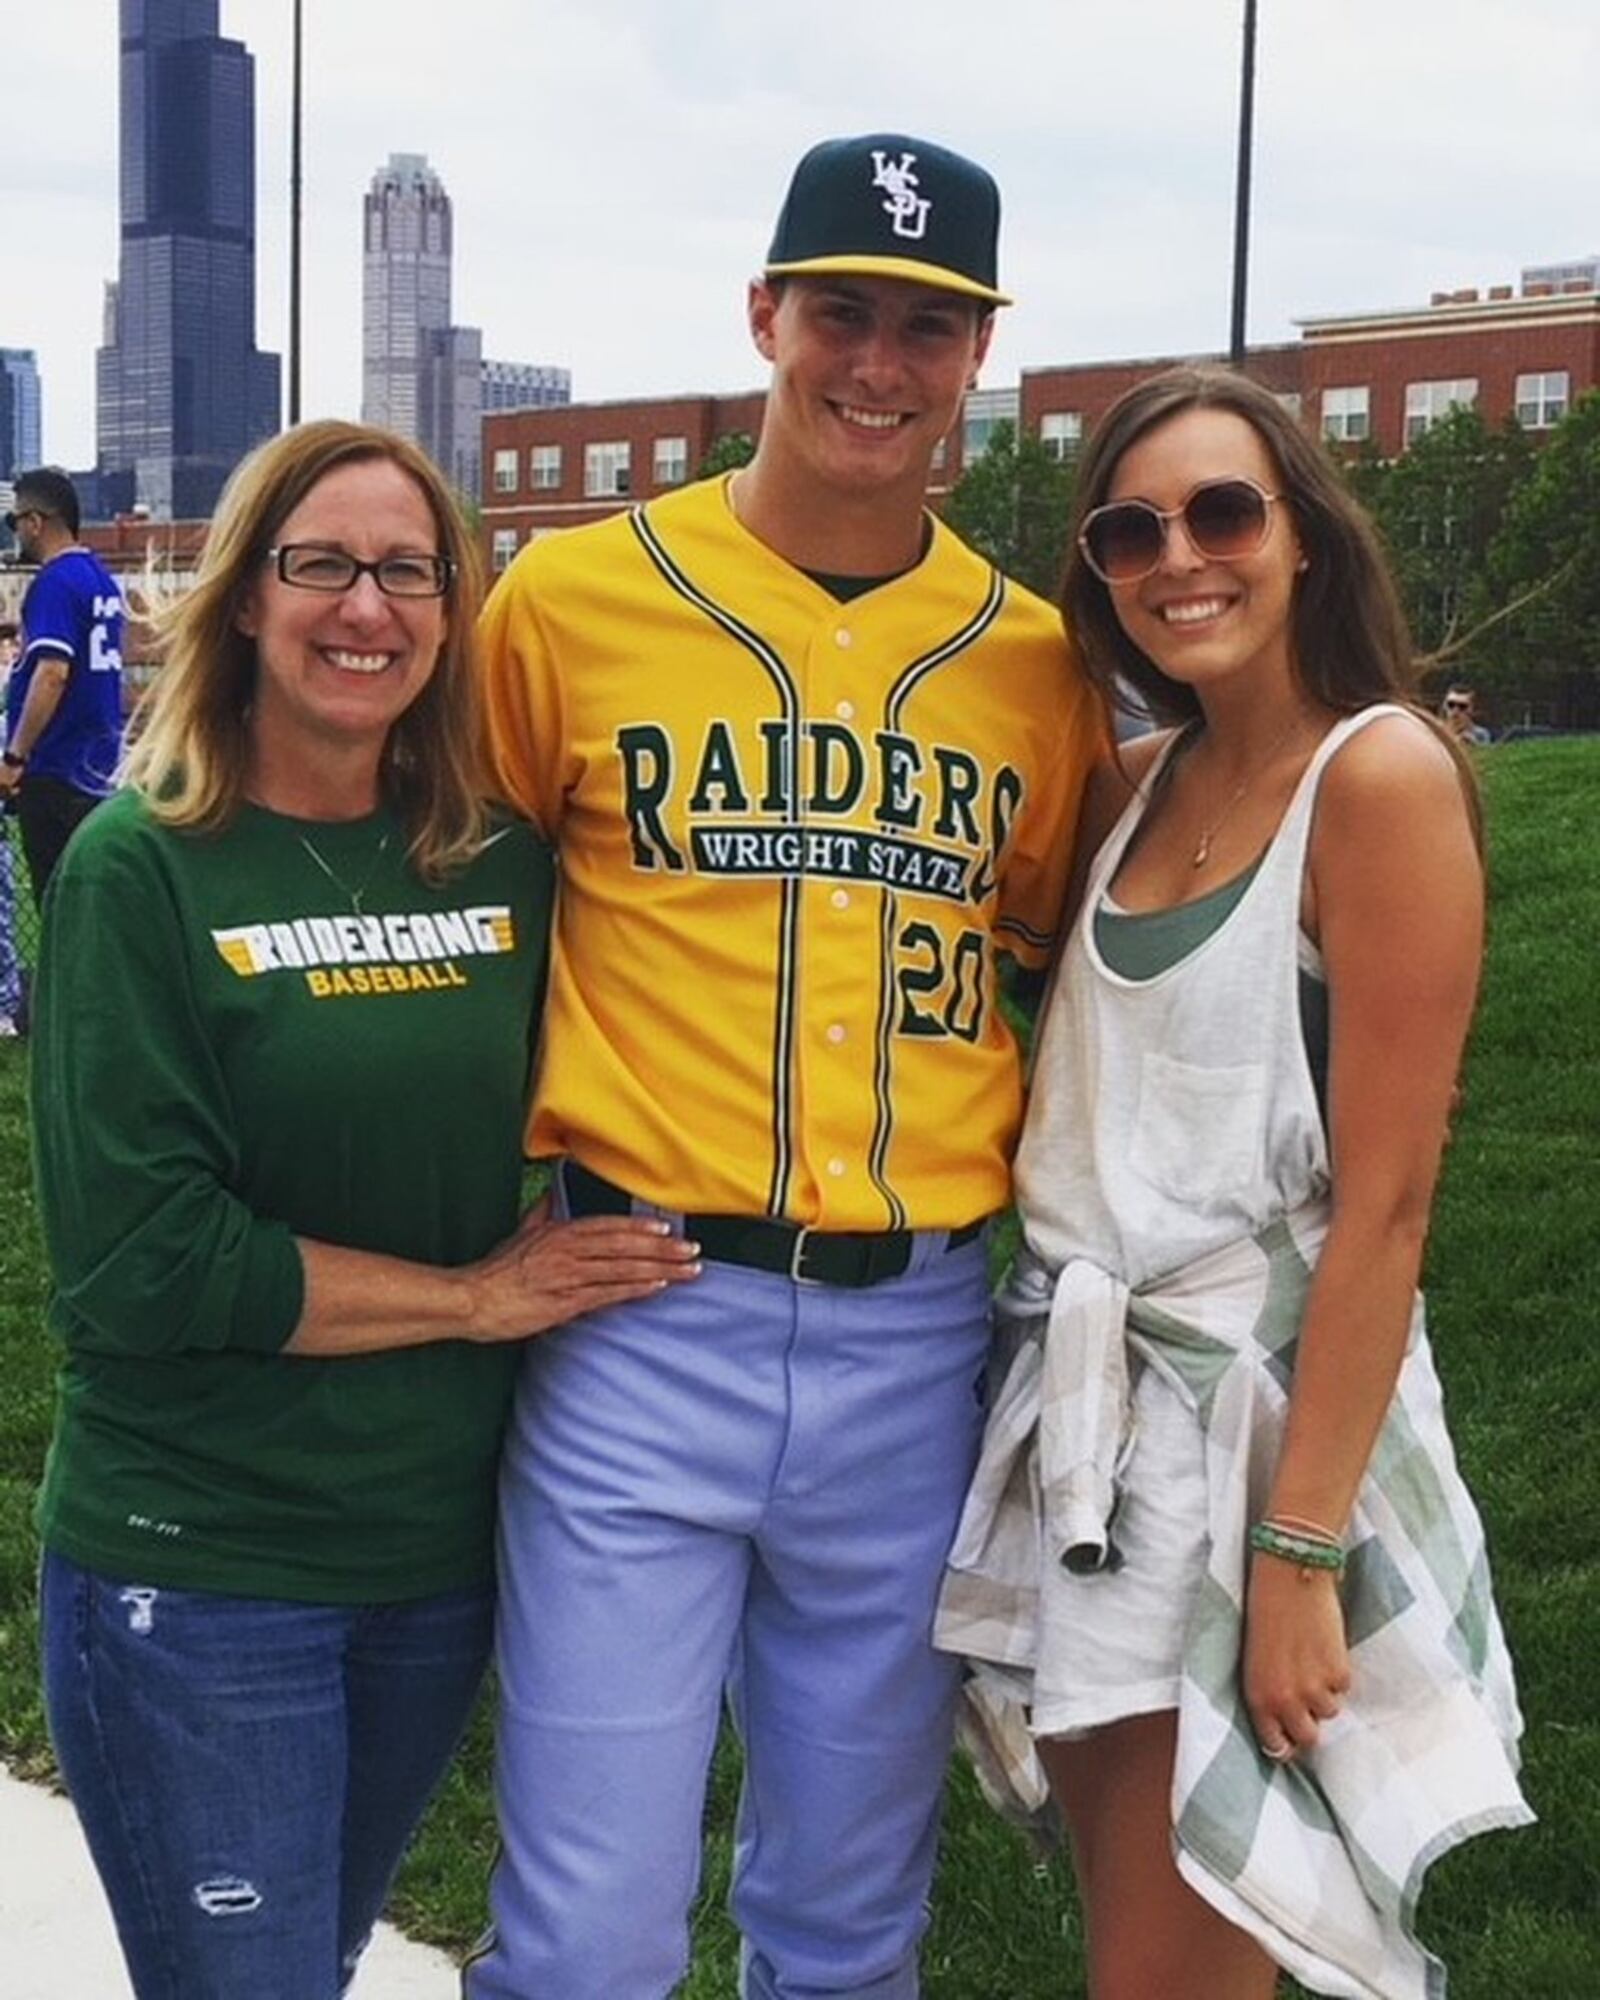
(190, 742)
(1350, 645)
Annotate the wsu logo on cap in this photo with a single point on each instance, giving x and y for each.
(907, 210)
(832, 222)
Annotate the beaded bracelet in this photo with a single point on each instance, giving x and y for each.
(1310, 1552)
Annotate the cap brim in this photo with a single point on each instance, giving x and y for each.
(907, 269)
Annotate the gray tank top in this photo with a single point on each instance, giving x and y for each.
(1141, 943)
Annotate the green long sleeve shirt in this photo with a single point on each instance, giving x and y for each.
(280, 1030)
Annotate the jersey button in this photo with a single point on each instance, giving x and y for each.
(840, 899)
(842, 636)
(835, 1033)
(837, 1168)
(845, 710)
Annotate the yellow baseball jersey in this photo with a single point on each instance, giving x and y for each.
(793, 833)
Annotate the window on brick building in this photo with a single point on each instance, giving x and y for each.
(605, 470)
(1061, 432)
(505, 472)
(544, 467)
(981, 411)
(671, 464)
(502, 549)
(1542, 399)
(1428, 402)
(1347, 414)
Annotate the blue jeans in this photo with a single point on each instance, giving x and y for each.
(248, 1771)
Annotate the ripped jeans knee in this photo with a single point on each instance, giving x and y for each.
(248, 1771)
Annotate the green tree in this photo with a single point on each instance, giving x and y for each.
(1366, 473)
(1439, 507)
(1542, 574)
(727, 454)
(1012, 504)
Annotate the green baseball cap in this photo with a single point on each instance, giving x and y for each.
(886, 205)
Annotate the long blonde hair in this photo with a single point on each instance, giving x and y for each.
(190, 742)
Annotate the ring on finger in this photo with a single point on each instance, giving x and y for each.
(1280, 1753)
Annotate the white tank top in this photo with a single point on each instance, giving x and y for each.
(1173, 1115)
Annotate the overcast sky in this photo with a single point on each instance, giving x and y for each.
(616, 165)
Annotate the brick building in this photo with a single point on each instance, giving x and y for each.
(562, 467)
(1382, 377)
(1063, 404)
(1388, 376)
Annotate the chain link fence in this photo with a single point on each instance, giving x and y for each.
(19, 925)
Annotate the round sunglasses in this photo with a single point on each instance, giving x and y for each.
(1123, 542)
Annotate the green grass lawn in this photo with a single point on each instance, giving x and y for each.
(1513, 1281)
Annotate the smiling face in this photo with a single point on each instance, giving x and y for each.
(867, 377)
(334, 670)
(1204, 621)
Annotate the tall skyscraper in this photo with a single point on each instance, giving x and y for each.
(405, 298)
(182, 390)
(20, 447)
(420, 374)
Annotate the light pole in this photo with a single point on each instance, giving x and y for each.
(294, 226)
(1241, 196)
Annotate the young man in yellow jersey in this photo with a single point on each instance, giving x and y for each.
(811, 764)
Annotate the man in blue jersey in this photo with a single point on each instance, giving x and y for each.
(11, 1005)
(64, 702)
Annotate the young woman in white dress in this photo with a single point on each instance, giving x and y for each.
(1250, 1050)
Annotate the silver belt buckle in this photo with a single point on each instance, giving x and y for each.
(797, 1251)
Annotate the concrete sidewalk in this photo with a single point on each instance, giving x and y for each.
(56, 1935)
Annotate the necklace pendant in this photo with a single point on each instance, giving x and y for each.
(1202, 853)
(356, 894)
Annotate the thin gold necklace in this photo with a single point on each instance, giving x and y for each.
(1202, 851)
(338, 881)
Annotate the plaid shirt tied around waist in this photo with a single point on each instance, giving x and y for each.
(1321, 1859)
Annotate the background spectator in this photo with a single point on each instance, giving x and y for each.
(12, 1011)
(1459, 714)
(64, 701)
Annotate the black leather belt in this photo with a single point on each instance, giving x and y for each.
(762, 1243)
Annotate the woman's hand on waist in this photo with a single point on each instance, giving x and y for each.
(548, 1272)
(542, 1275)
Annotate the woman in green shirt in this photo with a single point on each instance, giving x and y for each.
(287, 1000)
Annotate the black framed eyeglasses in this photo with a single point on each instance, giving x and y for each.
(312, 566)
(1124, 541)
(15, 519)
